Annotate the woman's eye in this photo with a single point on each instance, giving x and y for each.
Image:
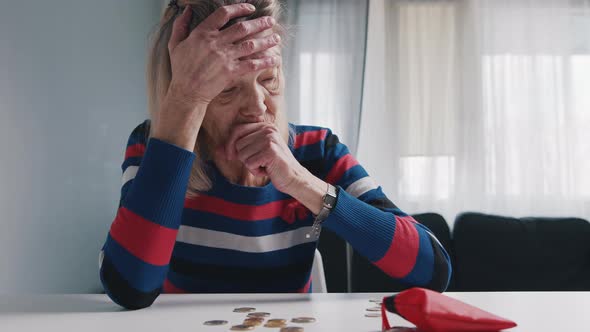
(270, 82)
(227, 91)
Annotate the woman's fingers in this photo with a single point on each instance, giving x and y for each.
(244, 29)
(257, 161)
(251, 144)
(222, 15)
(252, 65)
(239, 132)
(252, 46)
(180, 28)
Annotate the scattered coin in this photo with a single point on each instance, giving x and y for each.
(258, 314)
(276, 323)
(215, 322)
(245, 309)
(372, 314)
(300, 320)
(292, 329)
(242, 327)
(374, 309)
(255, 321)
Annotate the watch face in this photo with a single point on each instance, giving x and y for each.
(330, 200)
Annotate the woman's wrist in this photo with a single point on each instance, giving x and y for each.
(178, 123)
(309, 190)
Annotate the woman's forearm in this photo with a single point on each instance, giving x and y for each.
(178, 123)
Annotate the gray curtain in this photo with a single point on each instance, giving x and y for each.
(324, 64)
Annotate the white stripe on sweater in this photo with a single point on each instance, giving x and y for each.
(361, 186)
(253, 244)
(129, 174)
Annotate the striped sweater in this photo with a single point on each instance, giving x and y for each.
(237, 239)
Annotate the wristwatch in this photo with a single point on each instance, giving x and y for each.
(329, 201)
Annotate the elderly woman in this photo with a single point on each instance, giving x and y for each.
(221, 194)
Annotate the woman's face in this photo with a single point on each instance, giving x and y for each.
(253, 97)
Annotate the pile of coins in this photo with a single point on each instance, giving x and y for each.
(254, 319)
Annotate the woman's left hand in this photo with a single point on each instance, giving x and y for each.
(264, 152)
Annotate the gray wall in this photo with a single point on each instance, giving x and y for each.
(71, 88)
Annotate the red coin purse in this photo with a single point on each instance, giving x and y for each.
(434, 312)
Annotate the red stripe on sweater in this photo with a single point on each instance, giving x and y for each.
(309, 137)
(170, 288)
(400, 258)
(289, 209)
(148, 241)
(135, 150)
(340, 167)
(305, 289)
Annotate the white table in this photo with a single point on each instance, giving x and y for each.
(534, 311)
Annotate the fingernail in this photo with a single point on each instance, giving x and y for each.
(276, 38)
(271, 20)
(251, 6)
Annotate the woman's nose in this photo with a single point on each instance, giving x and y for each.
(254, 106)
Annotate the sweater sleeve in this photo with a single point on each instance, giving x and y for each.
(392, 240)
(135, 257)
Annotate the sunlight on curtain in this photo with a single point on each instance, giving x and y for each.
(324, 64)
(317, 74)
(485, 106)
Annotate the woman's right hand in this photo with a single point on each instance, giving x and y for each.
(204, 61)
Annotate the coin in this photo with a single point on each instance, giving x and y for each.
(245, 309)
(215, 322)
(255, 321)
(242, 327)
(292, 329)
(374, 309)
(258, 314)
(372, 314)
(300, 320)
(276, 323)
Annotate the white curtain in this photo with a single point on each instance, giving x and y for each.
(479, 105)
(324, 63)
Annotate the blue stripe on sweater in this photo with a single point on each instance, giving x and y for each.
(208, 255)
(377, 193)
(161, 181)
(335, 154)
(353, 174)
(195, 285)
(368, 229)
(309, 152)
(142, 276)
(131, 161)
